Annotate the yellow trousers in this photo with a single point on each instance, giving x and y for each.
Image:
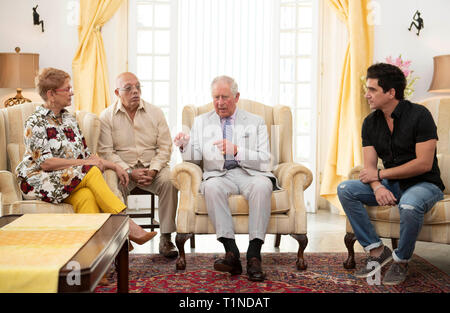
(93, 195)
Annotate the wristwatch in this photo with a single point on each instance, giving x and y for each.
(129, 172)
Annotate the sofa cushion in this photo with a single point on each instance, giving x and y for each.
(439, 214)
(38, 206)
(239, 205)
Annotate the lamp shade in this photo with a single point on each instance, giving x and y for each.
(441, 75)
(18, 70)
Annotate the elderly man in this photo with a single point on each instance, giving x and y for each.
(135, 135)
(234, 147)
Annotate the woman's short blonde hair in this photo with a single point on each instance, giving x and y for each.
(49, 79)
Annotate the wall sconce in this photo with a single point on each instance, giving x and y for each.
(18, 70)
(441, 77)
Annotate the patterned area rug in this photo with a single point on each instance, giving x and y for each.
(152, 273)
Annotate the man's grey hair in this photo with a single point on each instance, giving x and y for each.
(230, 81)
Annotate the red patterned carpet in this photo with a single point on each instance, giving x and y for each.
(152, 273)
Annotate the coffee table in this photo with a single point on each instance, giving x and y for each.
(87, 267)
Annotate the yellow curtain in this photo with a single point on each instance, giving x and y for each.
(90, 73)
(345, 150)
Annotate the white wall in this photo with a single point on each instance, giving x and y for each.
(56, 45)
(393, 38)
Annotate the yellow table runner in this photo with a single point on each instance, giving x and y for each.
(35, 246)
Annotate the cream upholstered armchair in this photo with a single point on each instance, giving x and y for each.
(288, 214)
(386, 219)
(12, 120)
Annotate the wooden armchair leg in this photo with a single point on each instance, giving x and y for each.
(192, 241)
(180, 240)
(277, 240)
(302, 243)
(349, 240)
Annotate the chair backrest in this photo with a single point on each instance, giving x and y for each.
(440, 109)
(12, 121)
(278, 121)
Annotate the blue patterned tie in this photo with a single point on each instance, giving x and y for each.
(230, 162)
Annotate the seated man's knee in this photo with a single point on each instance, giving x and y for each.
(263, 185)
(344, 189)
(213, 187)
(164, 178)
(410, 208)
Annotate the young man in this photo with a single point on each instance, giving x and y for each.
(404, 136)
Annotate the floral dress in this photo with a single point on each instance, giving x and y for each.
(46, 138)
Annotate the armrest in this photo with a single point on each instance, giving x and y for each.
(9, 189)
(295, 178)
(354, 173)
(289, 173)
(187, 177)
(113, 183)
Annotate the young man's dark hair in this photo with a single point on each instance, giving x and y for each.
(389, 76)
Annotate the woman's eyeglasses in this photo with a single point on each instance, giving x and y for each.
(130, 88)
(68, 89)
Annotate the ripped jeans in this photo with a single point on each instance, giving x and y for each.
(413, 203)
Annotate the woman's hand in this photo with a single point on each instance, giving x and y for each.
(95, 161)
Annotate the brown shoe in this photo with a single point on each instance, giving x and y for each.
(167, 248)
(142, 239)
(230, 264)
(254, 270)
(138, 235)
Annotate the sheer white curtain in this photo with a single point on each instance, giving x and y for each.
(233, 37)
(333, 44)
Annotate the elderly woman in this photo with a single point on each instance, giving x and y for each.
(57, 165)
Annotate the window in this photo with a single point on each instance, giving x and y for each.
(151, 51)
(178, 46)
(297, 83)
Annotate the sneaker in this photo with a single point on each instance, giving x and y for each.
(371, 265)
(396, 274)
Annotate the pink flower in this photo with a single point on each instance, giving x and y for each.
(398, 61)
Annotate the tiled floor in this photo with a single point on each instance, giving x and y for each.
(326, 233)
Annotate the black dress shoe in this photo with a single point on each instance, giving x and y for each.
(230, 264)
(254, 270)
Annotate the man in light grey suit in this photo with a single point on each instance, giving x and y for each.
(234, 147)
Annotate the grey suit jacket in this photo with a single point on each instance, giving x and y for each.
(249, 134)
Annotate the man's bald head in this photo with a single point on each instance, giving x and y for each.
(128, 89)
(124, 77)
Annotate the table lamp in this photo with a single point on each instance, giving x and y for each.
(441, 75)
(18, 70)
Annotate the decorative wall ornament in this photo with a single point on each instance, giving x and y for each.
(36, 19)
(417, 22)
